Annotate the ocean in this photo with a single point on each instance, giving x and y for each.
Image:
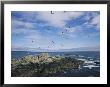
(83, 54)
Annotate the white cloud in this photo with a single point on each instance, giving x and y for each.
(21, 27)
(71, 30)
(59, 18)
(38, 40)
(17, 23)
(23, 31)
(96, 21)
(92, 20)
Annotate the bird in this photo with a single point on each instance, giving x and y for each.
(52, 41)
(52, 12)
(32, 41)
(62, 33)
(48, 46)
(66, 30)
(69, 27)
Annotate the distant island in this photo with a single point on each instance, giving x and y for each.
(42, 65)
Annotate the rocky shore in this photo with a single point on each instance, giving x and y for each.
(42, 65)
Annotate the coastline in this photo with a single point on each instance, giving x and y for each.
(42, 65)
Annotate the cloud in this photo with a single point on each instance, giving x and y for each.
(43, 27)
(73, 29)
(29, 33)
(96, 21)
(92, 20)
(22, 27)
(23, 31)
(17, 23)
(59, 18)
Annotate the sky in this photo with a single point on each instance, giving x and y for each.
(54, 30)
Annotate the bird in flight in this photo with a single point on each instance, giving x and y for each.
(69, 27)
(62, 33)
(32, 41)
(53, 42)
(64, 11)
(52, 12)
(66, 30)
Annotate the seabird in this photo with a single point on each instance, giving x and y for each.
(52, 41)
(52, 12)
(32, 41)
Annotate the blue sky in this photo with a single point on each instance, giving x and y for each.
(60, 30)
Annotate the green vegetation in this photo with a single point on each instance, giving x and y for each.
(42, 65)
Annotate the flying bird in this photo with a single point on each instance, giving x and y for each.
(32, 41)
(52, 12)
(53, 42)
(69, 27)
(48, 46)
(62, 33)
(66, 30)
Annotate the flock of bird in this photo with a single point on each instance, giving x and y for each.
(62, 34)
